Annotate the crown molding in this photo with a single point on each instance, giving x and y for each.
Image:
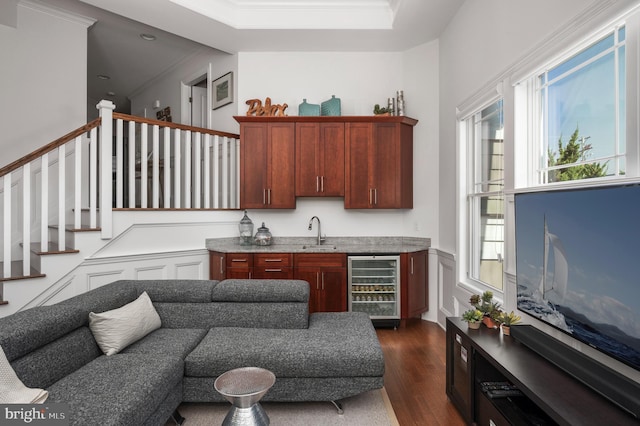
(57, 12)
(296, 14)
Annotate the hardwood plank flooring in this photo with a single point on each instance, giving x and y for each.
(415, 374)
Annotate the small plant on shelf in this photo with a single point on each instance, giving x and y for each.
(378, 110)
(507, 320)
(489, 308)
(473, 317)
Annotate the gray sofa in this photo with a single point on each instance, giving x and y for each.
(208, 327)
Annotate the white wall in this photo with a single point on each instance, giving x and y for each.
(43, 78)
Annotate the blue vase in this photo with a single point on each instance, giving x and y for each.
(305, 109)
(331, 107)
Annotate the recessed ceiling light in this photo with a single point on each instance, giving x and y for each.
(147, 37)
(111, 93)
(103, 77)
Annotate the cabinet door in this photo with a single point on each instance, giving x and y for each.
(320, 159)
(280, 190)
(307, 159)
(327, 278)
(239, 265)
(358, 159)
(253, 165)
(415, 289)
(386, 166)
(217, 265)
(331, 159)
(267, 165)
(459, 371)
(312, 276)
(333, 290)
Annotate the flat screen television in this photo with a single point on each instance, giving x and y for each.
(578, 264)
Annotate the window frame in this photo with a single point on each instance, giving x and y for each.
(531, 118)
(471, 195)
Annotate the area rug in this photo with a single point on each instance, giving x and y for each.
(368, 409)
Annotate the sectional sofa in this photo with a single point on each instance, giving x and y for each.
(206, 328)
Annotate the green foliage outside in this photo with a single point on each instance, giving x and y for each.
(573, 152)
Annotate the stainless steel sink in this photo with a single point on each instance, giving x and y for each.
(316, 247)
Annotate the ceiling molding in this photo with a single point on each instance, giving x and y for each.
(298, 14)
(57, 12)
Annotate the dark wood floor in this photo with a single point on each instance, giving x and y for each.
(415, 374)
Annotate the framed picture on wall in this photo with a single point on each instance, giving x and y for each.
(222, 91)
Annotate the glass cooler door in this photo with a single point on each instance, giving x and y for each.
(374, 286)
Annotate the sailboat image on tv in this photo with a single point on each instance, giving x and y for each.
(556, 284)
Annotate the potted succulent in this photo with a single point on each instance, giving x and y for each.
(473, 317)
(489, 308)
(507, 320)
(377, 110)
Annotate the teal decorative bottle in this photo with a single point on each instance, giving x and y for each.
(331, 107)
(305, 109)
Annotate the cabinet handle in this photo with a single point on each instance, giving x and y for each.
(264, 196)
(273, 260)
(250, 274)
(317, 183)
(221, 264)
(269, 196)
(317, 280)
(273, 270)
(239, 260)
(370, 196)
(375, 196)
(323, 281)
(411, 265)
(321, 183)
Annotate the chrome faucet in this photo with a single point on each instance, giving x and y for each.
(320, 237)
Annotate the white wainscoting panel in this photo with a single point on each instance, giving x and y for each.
(155, 272)
(98, 279)
(446, 282)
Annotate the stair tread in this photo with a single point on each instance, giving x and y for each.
(52, 248)
(16, 272)
(72, 229)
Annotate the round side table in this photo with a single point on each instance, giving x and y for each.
(243, 388)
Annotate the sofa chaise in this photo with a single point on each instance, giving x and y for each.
(206, 328)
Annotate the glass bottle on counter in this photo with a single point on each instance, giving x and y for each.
(246, 230)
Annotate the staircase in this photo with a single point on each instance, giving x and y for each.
(57, 204)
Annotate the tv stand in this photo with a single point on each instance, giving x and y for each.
(547, 394)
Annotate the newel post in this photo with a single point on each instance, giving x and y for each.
(105, 109)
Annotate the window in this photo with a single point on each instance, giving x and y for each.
(485, 198)
(582, 113)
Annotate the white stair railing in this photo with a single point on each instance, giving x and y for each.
(37, 196)
(116, 161)
(173, 166)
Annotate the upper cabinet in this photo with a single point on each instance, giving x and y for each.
(319, 159)
(379, 165)
(368, 160)
(267, 158)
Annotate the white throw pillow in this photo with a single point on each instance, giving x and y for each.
(116, 329)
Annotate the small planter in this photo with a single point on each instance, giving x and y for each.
(506, 330)
(474, 325)
(489, 322)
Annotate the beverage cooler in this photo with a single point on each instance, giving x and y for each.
(374, 288)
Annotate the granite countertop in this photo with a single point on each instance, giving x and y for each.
(350, 245)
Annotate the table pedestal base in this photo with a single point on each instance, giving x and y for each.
(252, 416)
